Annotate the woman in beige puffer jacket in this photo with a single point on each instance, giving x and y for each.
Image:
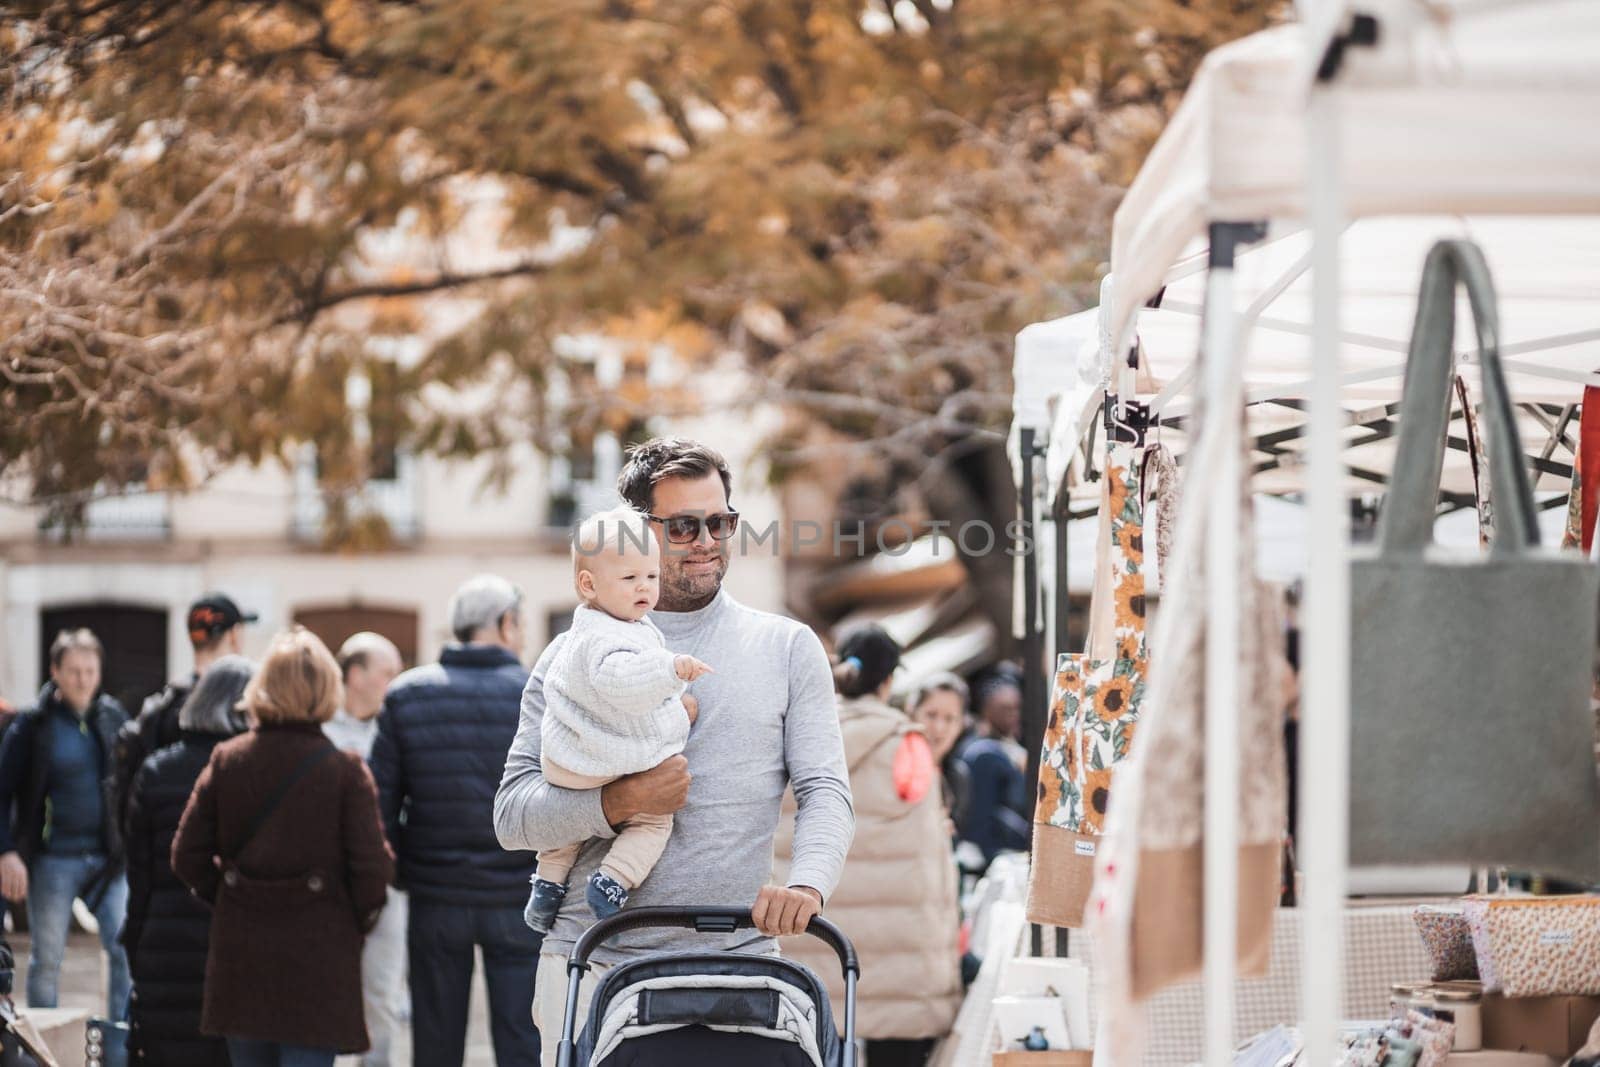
(897, 899)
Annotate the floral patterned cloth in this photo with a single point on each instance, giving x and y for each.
(1094, 707)
(1448, 939)
(1159, 483)
(1536, 946)
(1581, 505)
(1572, 534)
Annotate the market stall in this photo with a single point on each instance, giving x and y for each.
(1424, 121)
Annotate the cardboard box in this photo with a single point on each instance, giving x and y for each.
(1554, 1026)
(1500, 1058)
(1051, 1058)
(62, 1030)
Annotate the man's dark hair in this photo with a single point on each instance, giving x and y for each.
(210, 643)
(81, 640)
(654, 461)
(1002, 676)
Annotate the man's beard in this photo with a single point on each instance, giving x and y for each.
(685, 592)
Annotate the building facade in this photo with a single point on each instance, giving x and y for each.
(256, 534)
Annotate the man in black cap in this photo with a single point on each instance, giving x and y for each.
(216, 629)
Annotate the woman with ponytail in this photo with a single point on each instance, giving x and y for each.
(897, 899)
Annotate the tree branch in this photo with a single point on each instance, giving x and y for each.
(448, 280)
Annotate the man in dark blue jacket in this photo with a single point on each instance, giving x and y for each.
(59, 838)
(442, 742)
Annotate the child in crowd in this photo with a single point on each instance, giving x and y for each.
(614, 705)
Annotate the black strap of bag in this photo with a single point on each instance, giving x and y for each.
(304, 768)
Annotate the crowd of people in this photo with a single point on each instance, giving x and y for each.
(293, 859)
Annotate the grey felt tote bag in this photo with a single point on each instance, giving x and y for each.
(1472, 738)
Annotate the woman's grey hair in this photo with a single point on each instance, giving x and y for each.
(213, 707)
(943, 682)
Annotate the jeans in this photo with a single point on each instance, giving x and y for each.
(245, 1052)
(441, 939)
(53, 882)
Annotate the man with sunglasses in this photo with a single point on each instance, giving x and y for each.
(767, 721)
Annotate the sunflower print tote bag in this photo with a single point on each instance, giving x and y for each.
(1094, 706)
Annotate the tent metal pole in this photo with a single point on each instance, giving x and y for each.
(1246, 324)
(1297, 389)
(1545, 344)
(1325, 732)
(1221, 852)
(1559, 374)
(1060, 515)
(1033, 696)
(1302, 329)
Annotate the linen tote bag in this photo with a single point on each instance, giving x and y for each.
(1471, 736)
(1146, 911)
(1094, 706)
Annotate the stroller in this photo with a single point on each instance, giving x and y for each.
(695, 1008)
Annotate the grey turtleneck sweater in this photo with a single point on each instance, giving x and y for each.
(767, 721)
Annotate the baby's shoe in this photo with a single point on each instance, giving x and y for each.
(605, 895)
(543, 903)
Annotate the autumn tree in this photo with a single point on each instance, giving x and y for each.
(863, 201)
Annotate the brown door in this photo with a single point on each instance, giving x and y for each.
(335, 625)
(135, 641)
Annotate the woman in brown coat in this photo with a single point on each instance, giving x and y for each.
(897, 899)
(282, 838)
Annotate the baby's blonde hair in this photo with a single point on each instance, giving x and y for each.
(610, 531)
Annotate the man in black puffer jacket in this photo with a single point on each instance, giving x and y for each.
(168, 932)
(442, 742)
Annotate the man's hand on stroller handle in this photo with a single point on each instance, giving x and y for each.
(661, 790)
(784, 911)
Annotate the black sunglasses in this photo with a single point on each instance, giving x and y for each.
(685, 529)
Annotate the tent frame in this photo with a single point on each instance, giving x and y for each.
(1379, 423)
(1435, 61)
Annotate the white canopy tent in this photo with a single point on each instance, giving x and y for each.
(1463, 107)
(1548, 276)
(1462, 110)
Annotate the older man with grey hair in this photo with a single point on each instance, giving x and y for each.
(442, 738)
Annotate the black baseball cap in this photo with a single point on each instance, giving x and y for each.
(213, 614)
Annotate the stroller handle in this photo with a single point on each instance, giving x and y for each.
(710, 920)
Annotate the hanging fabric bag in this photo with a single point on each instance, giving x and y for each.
(1469, 674)
(1094, 706)
(1146, 914)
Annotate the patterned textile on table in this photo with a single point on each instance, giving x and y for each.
(1536, 946)
(1447, 936)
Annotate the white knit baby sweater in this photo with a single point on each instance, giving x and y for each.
(613, 698)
